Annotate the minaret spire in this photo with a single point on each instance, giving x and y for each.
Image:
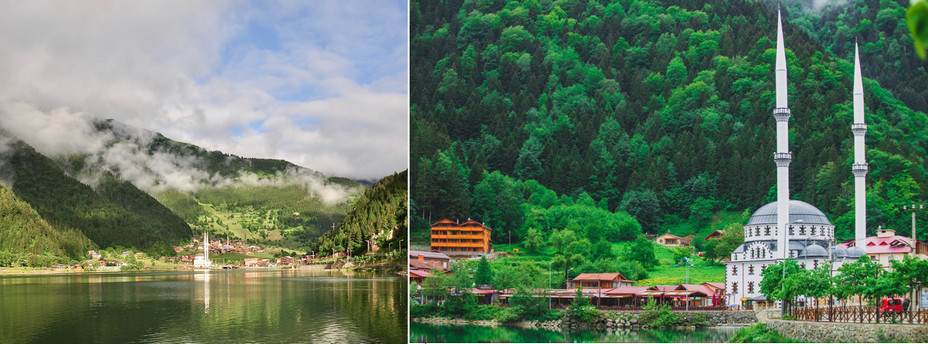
(859, 128)
(782, 156)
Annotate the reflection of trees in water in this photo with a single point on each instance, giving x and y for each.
(225, 306)
(421, 333)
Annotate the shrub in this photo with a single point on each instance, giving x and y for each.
(585, 314)
(483, 312)
(759, 333)
(659, 316)
(423, 311)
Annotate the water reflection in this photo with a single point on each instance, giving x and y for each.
(437, 333)
(215, 306)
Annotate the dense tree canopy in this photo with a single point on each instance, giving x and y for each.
(525, 110)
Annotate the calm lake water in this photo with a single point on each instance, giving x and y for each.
(432, 333)
(233, 306)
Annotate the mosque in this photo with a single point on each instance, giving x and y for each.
(810, 239)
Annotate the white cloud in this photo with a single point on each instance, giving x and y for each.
(331, 94)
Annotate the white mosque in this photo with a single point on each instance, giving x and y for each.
(810, 239)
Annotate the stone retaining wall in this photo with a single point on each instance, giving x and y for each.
(632, 319)
(849, 332)
(618, 319)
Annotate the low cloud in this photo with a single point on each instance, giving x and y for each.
(124, 151)
(280, 80)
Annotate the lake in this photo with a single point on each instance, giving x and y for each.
(227, 306)
(441, 333)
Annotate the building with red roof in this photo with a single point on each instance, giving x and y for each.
(602, 280)
(886, 246)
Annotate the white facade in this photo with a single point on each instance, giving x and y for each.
(201, 260)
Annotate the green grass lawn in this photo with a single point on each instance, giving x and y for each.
(665, 273)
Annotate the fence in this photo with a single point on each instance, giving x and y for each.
(858, 314)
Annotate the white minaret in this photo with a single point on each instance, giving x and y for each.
(782, 156)
(859, 128)
(205, 246)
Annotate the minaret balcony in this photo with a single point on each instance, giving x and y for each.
(782, 159)
(860, 170)
(781, 114)
(859, 129)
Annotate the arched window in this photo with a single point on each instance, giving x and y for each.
(734, 288)
(812, 230)
(750, 269)
(767, 230)
(802, 230)
(734, 270)
(792, 230)
(750, 287)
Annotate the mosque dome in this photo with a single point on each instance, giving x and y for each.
(799, 211)
(814, 251)
(840, 252)
(855, 252)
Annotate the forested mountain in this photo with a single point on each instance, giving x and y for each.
(25, 236)
(378, 215)
(658, 109)
(129, 187)
(117, 213)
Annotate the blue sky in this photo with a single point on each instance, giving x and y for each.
(322, 84)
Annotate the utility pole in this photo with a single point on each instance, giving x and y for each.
(912, 209)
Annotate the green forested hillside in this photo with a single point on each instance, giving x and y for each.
(25, 235)
(378, 215)
(116, 214)
(661, 110)
(94, 191)
(286, 215)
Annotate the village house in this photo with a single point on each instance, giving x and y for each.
(714, 235)
(286, 260)
(671, 240)
(470, 238)
(440, 258)
(603, 280)
(886, 246)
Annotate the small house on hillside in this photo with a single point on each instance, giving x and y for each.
(670, 240)
(714, 235)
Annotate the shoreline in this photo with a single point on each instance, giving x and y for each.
(21, 271)
(551, 325)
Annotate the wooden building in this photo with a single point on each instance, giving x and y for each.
(604, 280)
(470, 238)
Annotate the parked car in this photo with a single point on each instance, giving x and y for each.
(891, 305)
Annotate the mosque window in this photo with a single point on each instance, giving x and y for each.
(750, 269)
(812, 231)
(767, 231)
(734, 288)
(802, 230)
(803, 265)
(734, 270)
(792, 230)
(815, 264)
(750, 287)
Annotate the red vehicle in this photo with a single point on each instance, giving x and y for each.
(892, 305)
